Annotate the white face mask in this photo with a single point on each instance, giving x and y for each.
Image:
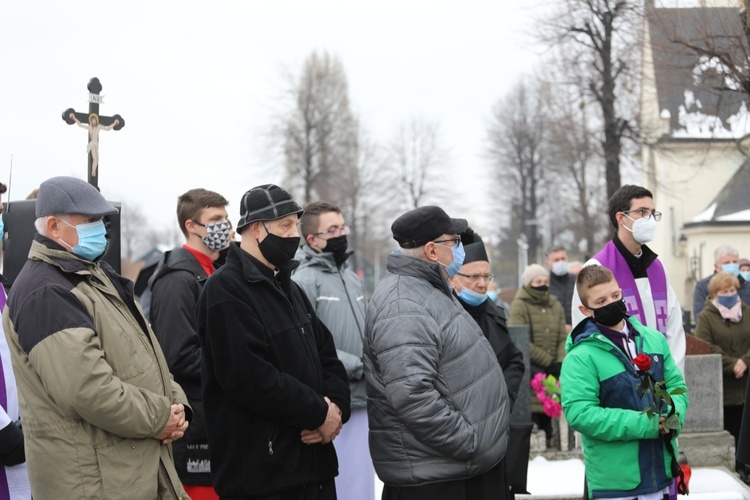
(643, 229)
(560, 268)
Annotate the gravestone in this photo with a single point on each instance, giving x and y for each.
(521, 412)
(703, 439)
(520, 418)
(694, 346)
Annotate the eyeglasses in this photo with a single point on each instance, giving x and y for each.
(646, 213)
(476, 277)
(456, 240)
(334, 232)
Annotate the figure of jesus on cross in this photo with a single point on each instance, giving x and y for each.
(93, 127)
(94, 123)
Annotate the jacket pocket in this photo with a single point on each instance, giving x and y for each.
(128, 469)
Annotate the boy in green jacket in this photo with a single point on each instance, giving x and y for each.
(629, 452)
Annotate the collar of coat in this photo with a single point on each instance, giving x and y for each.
(309, 257)
(412, 266)
(252, 268)
(47, 250)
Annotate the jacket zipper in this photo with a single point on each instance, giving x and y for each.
(271, 439)
(351, 306)
(300, 317)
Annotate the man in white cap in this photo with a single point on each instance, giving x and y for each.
(99, 406)
(274, 392)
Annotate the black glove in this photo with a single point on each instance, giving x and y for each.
(11, 445)
(554, 369)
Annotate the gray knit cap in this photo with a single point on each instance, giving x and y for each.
(69, 195)
(266, 202)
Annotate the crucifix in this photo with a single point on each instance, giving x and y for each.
(94, 124)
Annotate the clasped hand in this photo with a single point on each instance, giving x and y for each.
(330, 428)
(176, 425)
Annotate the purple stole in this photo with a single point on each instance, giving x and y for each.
(611, 258)
(4, 493)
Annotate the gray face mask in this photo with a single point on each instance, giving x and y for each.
(217, 235)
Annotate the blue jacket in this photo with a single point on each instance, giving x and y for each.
(623, 452)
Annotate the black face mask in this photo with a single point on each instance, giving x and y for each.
(338, 246)
(543, 288)
(277, 250)
(611, 314)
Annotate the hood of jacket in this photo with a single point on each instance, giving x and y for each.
(431, 272)
(588, 329)
(176, 260)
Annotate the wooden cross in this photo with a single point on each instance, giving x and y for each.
(94, 124)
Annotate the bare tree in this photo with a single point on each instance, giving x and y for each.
(417, 158)
(319, 131)
(601, 36)
(134, 234)
(516, 136)
(362, 188)
(577, 165)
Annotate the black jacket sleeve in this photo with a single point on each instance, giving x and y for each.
(11, 445)
(173, 320)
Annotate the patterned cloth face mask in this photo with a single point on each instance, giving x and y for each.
(217, 235)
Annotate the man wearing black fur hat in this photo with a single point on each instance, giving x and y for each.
(275, 393)
(470, 284)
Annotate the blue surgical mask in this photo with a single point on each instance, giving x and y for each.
(745, 275)
(727, 300)
(472, 298)
(2, 228)
(458, 260)
(92, 240)
(492, 294)
(731, 268)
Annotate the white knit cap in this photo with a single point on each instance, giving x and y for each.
(532, 272)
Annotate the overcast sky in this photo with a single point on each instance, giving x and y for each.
(198, 82)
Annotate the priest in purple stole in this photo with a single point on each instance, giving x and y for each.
(641, 275)
(645, 285)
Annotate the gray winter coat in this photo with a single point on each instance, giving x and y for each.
(339, 301)
(436, 397)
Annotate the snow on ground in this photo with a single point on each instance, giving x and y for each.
(565, 477)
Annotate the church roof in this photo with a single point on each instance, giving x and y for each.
(693, 90)
(731, 205)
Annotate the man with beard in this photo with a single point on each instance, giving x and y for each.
(275, 393)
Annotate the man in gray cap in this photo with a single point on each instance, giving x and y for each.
(275, 393)
(436, 398)
(99, 406)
